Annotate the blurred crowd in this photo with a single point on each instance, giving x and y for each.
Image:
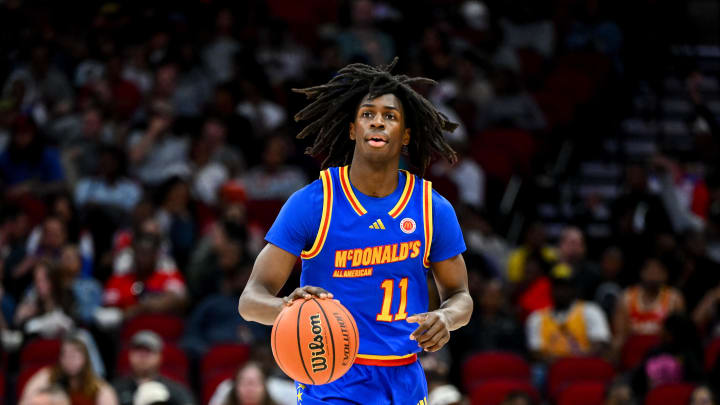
(145, 149)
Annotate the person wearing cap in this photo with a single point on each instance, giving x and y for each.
(145, 357)
(570, 327)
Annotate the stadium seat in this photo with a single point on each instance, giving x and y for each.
(583, 393)
(38, 353)
(2, 386)
(25, 374)
(262, 213)
(711, 354)
(571, 370)
(494, 392)
(174, 363)
(487, 366)
(210, 384)
(169, 327)
(223, 359)
(670, 394)
(635, 348)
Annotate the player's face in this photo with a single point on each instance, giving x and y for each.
(379, 128)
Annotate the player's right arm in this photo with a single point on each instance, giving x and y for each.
(259, 301)
(294, 229)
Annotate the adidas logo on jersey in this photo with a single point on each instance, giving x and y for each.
(377, 225)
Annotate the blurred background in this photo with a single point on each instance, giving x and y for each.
(146, 148)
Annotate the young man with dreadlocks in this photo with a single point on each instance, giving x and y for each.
(368, 233)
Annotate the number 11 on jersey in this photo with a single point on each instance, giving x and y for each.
(388, 286)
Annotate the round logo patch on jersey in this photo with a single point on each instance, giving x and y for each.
(407, 225)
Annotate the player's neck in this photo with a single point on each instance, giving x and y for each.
(374, 180)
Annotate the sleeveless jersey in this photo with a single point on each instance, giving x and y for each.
(374, 261)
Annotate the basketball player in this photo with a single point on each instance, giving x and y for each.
(368, 233)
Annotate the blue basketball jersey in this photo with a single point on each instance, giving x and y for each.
(374, 259)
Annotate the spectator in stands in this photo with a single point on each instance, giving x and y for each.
(176, 220)
(676, 359)
(571, 251)
(215, 160)
(51, 395)
(362, 41)
(249, 387)
(214, 320)
(156, 153)
(491, 327)
(219, 55)
(86, 291)
(609, 290)
(698, 275)
(151, 393)
(145, 357)
(45, 308)
(707, 313)
(534, 243)
(619, 393)
(512, 106)
(517, 398)
(221, 250)
(638, 216)
(41, 83)
(274, 179)
(642, 309)
(146, 288)
(571, 327)
(74, 374)
(702, 395)
(110, 191)
(14, 230)
(28, 167)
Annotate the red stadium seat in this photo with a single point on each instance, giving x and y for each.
(223, 359)
(670, 394)
(711, 354)
(169, 327)
(494, 392)
(583, 393)
(174, 363)
(488, 366)
(24, 377)
(39, 353)
(635, 348)
(2, 385)
(211, 384)
(571, 370)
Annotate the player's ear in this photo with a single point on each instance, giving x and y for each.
(406, 137)
(352, 131)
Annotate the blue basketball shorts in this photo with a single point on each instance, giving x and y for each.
(369, 385)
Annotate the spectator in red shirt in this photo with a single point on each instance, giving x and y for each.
(146, 288)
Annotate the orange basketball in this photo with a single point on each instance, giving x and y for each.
(314, 341)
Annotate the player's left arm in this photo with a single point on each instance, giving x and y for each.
(455, 308)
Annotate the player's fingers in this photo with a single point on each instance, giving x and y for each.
(422, 328)
(432, 334)
(439, 345)
(417, 318)
(318, 291)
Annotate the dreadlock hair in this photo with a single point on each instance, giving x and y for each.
(334, 105)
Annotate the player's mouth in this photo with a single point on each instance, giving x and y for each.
(377, 141)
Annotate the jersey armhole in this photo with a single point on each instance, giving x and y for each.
(324, 219)
(427, 221)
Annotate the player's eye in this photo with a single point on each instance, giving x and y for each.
(390, 116)
(367, 114)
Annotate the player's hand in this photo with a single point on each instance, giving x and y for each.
(307, 292)
(433, 332)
